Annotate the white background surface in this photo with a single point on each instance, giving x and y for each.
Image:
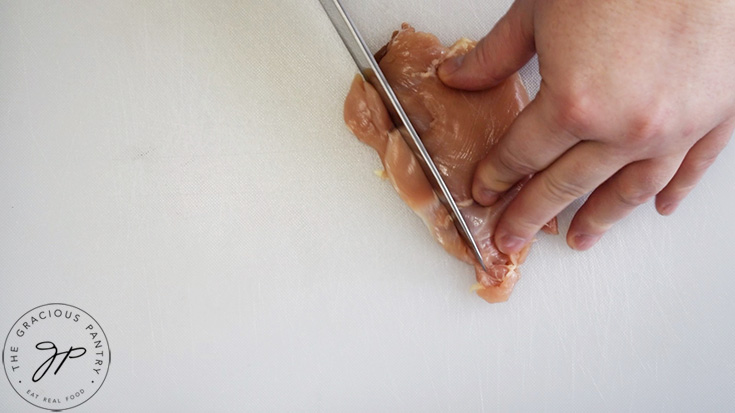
(180, 170)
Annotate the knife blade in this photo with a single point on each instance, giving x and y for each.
(372, 73)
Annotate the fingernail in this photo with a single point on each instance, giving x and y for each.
(451, 65)
(510, 244)
(584, 241)
(668, 209)
(486, 197)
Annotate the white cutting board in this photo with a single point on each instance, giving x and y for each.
(180, 171)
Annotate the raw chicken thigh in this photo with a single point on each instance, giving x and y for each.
(458, 129)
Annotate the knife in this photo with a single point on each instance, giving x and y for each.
(372, 73)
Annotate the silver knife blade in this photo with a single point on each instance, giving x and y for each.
(372, 73)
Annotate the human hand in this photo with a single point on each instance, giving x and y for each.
(637, 99)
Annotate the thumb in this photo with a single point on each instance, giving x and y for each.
(508, 46)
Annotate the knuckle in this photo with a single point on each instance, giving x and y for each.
(575, 110)
(689, 130)
(598, 224)
(483, 53)
(504, 31)
(486, 59)
(486, 177)
(704, 161)
(591, 222)
(522, 225)
(682, 190)
(637, 193)
(561, 191)
(512, 163)
(647, 125)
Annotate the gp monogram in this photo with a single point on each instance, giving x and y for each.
(56, 356)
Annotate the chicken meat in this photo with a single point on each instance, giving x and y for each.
(458, 129)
